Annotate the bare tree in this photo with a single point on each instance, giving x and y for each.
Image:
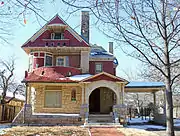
(8, 83)
(15, 12)
(147, 30)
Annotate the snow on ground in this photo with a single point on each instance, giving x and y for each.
(3, 127)
(146, 127)
(177, 122)
(139, 120)
(143, 124)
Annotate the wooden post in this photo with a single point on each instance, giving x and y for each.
(154, 98)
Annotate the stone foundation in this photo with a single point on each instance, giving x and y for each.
(26, 117)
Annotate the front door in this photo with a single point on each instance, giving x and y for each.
(94, 101)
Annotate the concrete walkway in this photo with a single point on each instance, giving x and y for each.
(105, 132)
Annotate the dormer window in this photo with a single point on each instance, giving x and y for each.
(57, 35)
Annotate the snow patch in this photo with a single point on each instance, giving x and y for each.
(145, 84)
(80, 77)
(63, 114)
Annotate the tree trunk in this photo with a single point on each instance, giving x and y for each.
(169, 110)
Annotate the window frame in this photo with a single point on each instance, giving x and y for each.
(45, 60)
(61, 57)
(60, 91)
(73, 95)
(101, 68)
(53, 35)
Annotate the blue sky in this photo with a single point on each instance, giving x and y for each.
(21, 33)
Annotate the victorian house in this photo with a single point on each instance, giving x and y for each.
(70, 80)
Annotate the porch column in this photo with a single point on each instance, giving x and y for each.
(154, 98)
(28, 94)
(86, 94)
(83, 93)
(122, 93)
(119, 98)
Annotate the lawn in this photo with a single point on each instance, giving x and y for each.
(47, 131)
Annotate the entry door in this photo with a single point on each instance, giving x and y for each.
(94, 101)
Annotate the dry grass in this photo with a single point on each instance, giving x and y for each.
(47, 131)
(136, 132)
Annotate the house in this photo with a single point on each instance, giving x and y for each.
(13, 107)
(70, 79)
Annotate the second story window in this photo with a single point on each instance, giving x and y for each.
(60, 61)
(98, 68)
(57, 36)
(48, 60)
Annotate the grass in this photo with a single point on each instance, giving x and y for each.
(46, 131)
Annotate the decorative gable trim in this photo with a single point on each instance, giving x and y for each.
(44, 28)
(114, 78)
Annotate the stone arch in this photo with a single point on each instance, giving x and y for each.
(103, 83)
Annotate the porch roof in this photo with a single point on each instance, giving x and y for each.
(135, 86)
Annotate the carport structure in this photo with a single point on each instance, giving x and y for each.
(152, 88)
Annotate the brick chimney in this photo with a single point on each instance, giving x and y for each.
(85, 25)
(111, 47)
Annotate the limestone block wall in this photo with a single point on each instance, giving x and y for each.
(25, 117)
(68, 106)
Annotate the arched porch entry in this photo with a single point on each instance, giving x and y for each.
(101, 100)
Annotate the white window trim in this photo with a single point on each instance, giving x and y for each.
(64, 57)
(31, 55)
(101, 67)
(52, 35)
(53, 91)
(38, 54)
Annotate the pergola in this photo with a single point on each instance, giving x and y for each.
(148, 87)
(145, 87)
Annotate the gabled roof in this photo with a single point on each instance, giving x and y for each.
(104, 76)
(55, 20)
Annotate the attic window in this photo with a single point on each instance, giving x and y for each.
(57, 36)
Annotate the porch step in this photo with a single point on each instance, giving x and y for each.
(100, 119)
(106, 125)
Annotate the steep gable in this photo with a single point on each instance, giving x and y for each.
(43, 37)
(57, 20)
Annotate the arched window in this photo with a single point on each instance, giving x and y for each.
(73, 95)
